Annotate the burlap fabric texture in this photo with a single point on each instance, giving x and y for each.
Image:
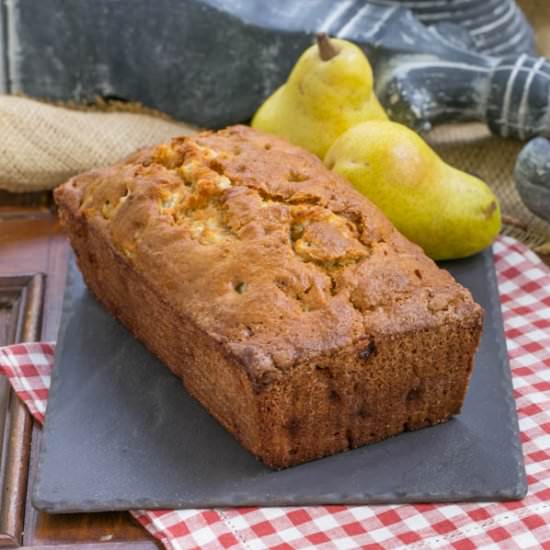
(43, 145)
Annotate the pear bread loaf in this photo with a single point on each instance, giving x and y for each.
(286, 302)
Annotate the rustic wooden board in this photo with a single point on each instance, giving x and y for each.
(20, 317)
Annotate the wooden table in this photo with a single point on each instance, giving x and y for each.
(33, 262)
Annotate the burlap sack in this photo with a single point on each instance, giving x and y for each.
(43, 145)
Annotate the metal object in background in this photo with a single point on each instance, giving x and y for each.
(496, 27)
(532, 175)
(228, 55)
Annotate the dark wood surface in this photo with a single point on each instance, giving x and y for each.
(20, 320)
(33, 261)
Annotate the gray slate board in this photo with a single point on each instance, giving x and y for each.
(122, 433)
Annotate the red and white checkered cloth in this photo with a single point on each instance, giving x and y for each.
(524, 285)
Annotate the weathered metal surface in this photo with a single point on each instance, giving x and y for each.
(532, 175)
(496, 27)
(211, 62)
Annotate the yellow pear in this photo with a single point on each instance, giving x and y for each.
(328, 91)
(449, 213)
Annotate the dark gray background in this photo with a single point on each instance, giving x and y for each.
(169, 54)
(212, 62)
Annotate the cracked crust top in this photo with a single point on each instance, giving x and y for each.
(263, 248)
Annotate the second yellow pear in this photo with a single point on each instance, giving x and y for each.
(449, 213)
(329, 90)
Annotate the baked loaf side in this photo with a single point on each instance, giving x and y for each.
(287, 303)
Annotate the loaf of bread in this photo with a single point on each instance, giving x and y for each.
(286, 302)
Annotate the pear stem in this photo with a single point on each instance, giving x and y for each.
(327, 48)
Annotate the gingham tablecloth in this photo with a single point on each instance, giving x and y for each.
(524, 285)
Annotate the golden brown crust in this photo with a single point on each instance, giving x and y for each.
(285, 301)
(266, 250)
